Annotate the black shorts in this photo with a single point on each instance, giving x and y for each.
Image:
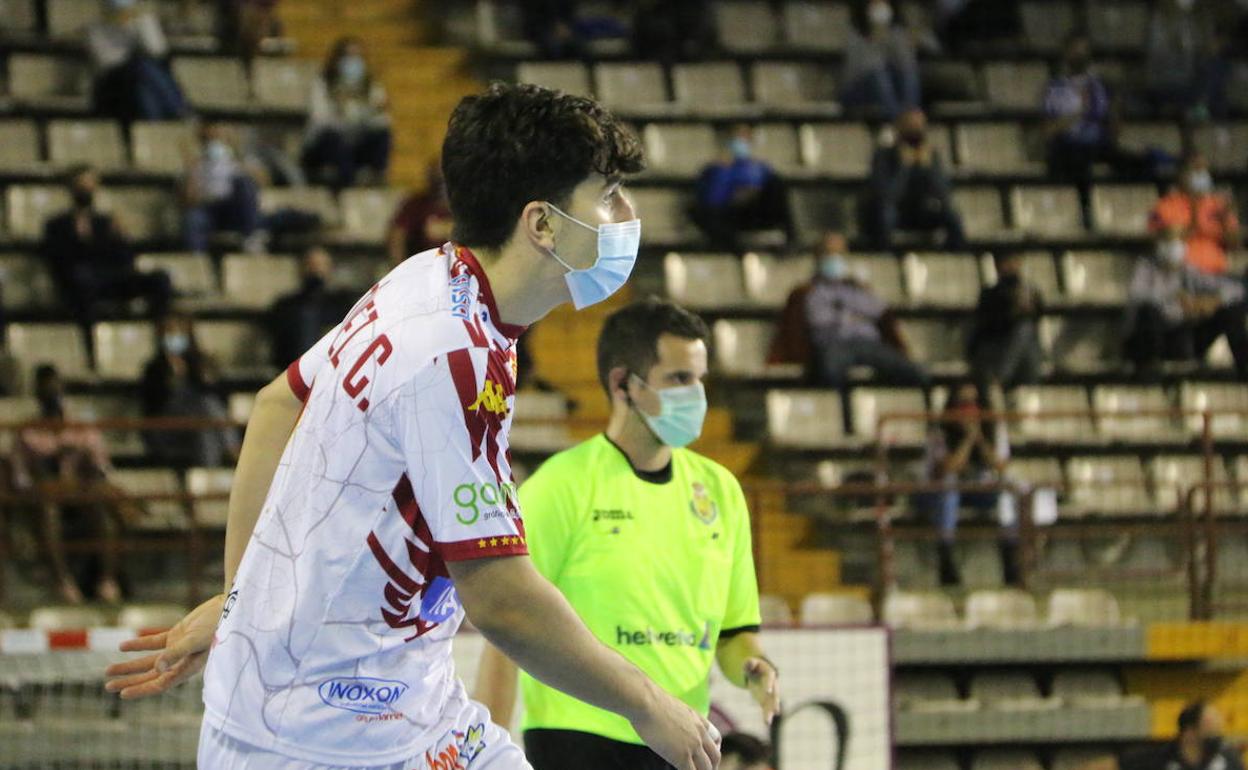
(573, 750)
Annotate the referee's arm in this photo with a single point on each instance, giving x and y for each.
(741, 659)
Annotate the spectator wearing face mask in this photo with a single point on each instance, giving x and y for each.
(835, 322)
(1187, 68)
(1200, 745)
(1177, 312)
(881, 70)
(300, 318)
(128, 53)
(221, 192)
(1004, 344)
(92, 260)
(348, 135)
(1204, 219)
(738, 193)
(179, 381)
(909, 189)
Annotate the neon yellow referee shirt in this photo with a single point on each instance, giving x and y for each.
(658, 571)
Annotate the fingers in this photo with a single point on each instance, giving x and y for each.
(144, 643)
(159, 683)
(134, 666)
(126, 682)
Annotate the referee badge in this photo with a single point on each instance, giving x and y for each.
(702, 505)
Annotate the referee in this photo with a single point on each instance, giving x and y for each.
(649, 542)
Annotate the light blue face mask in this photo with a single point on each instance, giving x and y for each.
(834, 267)
(740, 148)
(177, 344)
(618, 243)
(352, 69)
(680, 419)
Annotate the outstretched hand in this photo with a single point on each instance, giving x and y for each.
(182, 653)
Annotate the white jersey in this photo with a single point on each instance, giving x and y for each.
(335, 642)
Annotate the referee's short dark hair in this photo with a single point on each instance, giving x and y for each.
(1190, 716)
(630, 335)
(515, 144)
(746, 747)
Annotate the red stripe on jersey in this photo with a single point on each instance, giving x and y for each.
(464, 375)
(484, 548)
(294, 378)
(401, 580)
(464, 256)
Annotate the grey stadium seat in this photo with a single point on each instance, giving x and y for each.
(1118, 25)
(746, 26)
(1047, 25)
(239, 348)
(1122, 209)
(709, 88)
(983, 217)
(1047, 211)
(882, 274)
(776, 144)
(123, 348)
(161, 515)
(1216, 396)
(58, 344)
(96, 142)
(681, 149)
(210, 481)
(1039, 270)
(1174, 475)
(631, 86)
(282, 84)
(741, 346)
(256, 282)
(26, 283)
(317, 200)
(213, 83)
(942, 280)
(841, 150)
(47, 81)
(161, 146)
(868, 405)
(1033, 401)
(1015, 85)
(29, 206)
(1097, 277)
(192, 274)
(1143, 136)
(1224, 145)
(367, 211)
(1082, 344)
(770, 279)
(816, 209)
(665, 212)
(815, 26)
(142, 212)
(1121, 406)
(794, 87)
(1109, 486)
(569, 77)
(18, 17)
(19, 146)
(993, 148)
(69, 19)
(835, 608)
(704, 280)
(804, 418)
(937, 343)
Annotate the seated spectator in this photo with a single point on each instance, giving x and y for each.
(348, 134)
(673, 30)
(246, 24)
(881, 70)
(179, 382)
(423, 221)
(738, 193)
(51, 461)
(1205, 219)
(1187, 68)
(909, 189)
(742, 751)
(1177, 312)
(92, 261)
(299, 319)
(551, 25)
(835, 323)
(221, 192)
(961, 451)
(1004, 343)
(128, 54)
(1199, 745)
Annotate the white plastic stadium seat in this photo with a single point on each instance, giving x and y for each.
(770, 279)
(1174, 475)
(815, 26)
(159, 515)
(805, 418)
(18, 17)
(745, 26)
(704, 280)
(868, 405)
(838, 608)
(1038, 270)
(982, 214)
(210, 481)
(1047, 25)
(282, 83)
(316, 200)
(140, 617)
(1120, 407)
(366, 212)
(96, 142)
(631, 86)
(931, 692)
(776, 144)
(1225, 146)
(837, 149)
(28, 207)
(212, 83)
(1109, 486)
(918, 610)
(192, 274)
(239, 348)
(708, 87)
(992, 148)
(1083, 607)
(1035, 401)
(1008, 691)
(937, 343)
(1144, 136)
(1015, 85)
(25, 282)
(19, 145)
(65, 618)
(794, 87)
(55, 81)
(741, 348)
(942, 280)
(123, 348)
(664, 211)
(1006, 759)
(1047, 211)
(1118, 25)
(1122, 209)
(1214, 396)
(569, 77)
(142, 212)
(1088, 689)
(49, 343)
(774, 610)
(681, 149)
(1001, 608)
(1079, 344)
(161, 146)
(257, 281)
(881, 273)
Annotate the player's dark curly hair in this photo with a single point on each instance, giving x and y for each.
(630, 335)
(514, 144)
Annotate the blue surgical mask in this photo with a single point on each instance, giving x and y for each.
(351, 70)
(121, 5)
(1200, 182)
(618, 243)
(740, 148)
(177, 344)
(680, 419)
(218, 151)
(834, 267)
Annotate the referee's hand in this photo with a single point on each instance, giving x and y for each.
(760, 678)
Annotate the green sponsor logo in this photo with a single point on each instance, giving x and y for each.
(489, 500)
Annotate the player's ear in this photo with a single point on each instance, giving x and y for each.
(537, 225)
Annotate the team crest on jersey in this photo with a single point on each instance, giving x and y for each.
(456, 749)
(702, 505)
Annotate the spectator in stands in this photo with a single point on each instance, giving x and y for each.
(966, 24)
(1176, 312)
(1200, 745)
(246, 24)
(128, 53)
(1187, 65)
(552, 26)
(881, 70)
(1080, 121)
(221, 191)
(964, 449)
(836, 322)
(348, 134)
(1004, 343)
(92, 261)
(1206, 219)
(300, 318)
(673, 30)
(909, 189)
(737, 193)
(742, 751)
(179, 381)
(52, 460)
(423, 221)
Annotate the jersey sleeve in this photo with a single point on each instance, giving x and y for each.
(741, 611)
(452, 418)
(549, 516)
(303, 370)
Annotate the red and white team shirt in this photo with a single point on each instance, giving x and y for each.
(335, 642)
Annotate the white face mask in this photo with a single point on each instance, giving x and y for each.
(880, 14)
(618, 243)
(1172, 252)
(1200, 182)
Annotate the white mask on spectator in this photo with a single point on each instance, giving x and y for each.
(880, 14)
(1200, 182)
(834, 267)
(1172, 252)
(218, 151)
(177, 344)
(351, 70)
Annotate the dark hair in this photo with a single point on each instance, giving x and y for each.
(1189, 717)
(45, 372)
(630, 335)
(75, 171)
(751, 750)
(514, 144)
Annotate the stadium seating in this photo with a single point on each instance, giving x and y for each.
(914, 610)
(839, 609)
(1003, 608)
(1084, 607)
